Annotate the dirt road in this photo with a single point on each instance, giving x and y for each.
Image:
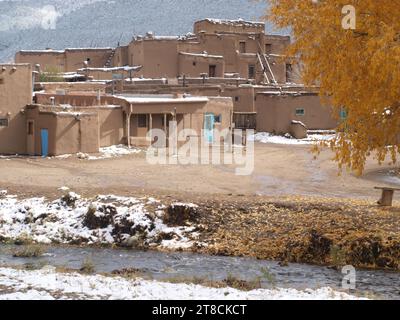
(279, 170)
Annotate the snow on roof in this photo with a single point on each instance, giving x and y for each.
(160, 99)
(203, 55)
(63, 51)
(125, 68)
(42, 51)
(238, 22)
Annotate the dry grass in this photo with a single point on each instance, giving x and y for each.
(304, 230)
(88, 266)
(29, 251)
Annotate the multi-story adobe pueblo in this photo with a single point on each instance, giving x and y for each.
(226, 74)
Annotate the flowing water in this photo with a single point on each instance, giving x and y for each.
(158, 265)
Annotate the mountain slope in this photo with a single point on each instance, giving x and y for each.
(39, 24)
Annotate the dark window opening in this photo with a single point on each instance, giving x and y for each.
(212, 71)
(194, 63)
(289, 71)
(242, 47)
(252, 71)
(218, 118)
(30, 128)
(142, 121)
(237, 99)
(1, 81)
(300, 112)
(268, 48)
(3, 122)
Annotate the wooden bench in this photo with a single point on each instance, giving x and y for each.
(387, 196)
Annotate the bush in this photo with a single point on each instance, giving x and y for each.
(31, 251)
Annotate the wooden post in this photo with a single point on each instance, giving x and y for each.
(387, 198)
(151, 124)
(128, 129)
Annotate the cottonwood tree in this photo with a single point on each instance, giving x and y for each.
(351, 49)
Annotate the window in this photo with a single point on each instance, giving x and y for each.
(194, 63)
(289, 71)
(3, 122)
(218, 118)
(300, 112)
(142, 121)
(30, 128)
(212, 71)
(237, 99)
(252, 71)
(1, 80)
(268, 48)
(242, 47)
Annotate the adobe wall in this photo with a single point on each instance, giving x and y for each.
(215, 26)
(79, 100)
(121, 56)
(70, 87)
(74, 58)
(48, 59)
(190, 115)
(275, 113)
(15, 94)
(242, 97)
(225, 46)
(192, 65)
(68, 60)
(69, 133)
(159, 58)
(278, 44)
(111, 126)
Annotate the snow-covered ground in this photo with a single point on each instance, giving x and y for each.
(264, 137)
(102, 220)
(46, 284)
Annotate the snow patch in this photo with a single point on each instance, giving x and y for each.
(47, 285)
(264, 137)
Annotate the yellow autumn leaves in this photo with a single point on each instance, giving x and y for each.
(359, 70)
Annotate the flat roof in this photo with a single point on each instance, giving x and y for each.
(202, 55)
(236, 22)
(160, 98)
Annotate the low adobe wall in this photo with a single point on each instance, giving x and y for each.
(275, 113)
(70, 87)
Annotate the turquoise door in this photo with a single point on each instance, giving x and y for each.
(209, 120)
(44, 134)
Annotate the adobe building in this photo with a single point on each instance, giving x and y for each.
(68, 60)
(15, 93)
(217, 49)
(278, 111)
(85, 123)
(223, 60)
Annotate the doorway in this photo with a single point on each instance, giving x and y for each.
(44, 134)
(209, 120)
(212, 71)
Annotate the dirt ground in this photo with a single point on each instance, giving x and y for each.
(280, 170)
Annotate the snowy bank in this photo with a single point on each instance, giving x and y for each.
(264, 137)
(125, 221)
(46, 284)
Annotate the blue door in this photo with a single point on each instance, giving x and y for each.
(44, 134)
(209, 120)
